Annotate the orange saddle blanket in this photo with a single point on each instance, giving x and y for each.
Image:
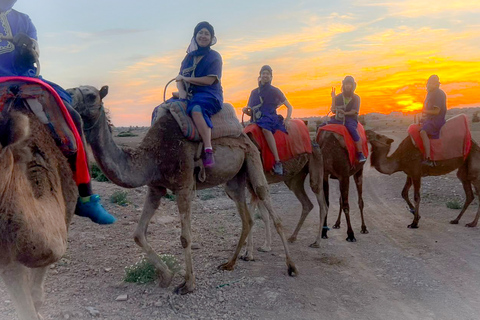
(350, 144)
(296, 142)
(455, 139)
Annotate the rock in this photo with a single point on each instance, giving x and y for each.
(107, 269)
(122, 297)
(93, 312)
(196, 246)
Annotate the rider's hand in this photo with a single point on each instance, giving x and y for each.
(247, 111)
(179, 78)
(333, 92)
(21, 40)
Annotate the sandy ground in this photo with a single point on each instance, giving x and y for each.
(391, 273)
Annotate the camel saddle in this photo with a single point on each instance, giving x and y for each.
(455, 139)
(225, 122)
(348, 144)
(290, 145)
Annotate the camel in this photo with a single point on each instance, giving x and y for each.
(408, 158)
(336, 165)
(37, 200)
(165, 160)
(295, 173)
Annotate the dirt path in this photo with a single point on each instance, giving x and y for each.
(391, 273)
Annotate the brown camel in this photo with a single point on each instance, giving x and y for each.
(336, 165)
(37, 201)
(408, 158)
(295, 173)
(165, 160)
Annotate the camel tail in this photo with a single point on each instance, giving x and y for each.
(255, 172)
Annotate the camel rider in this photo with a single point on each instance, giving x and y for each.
(346, 106)
(434, 111)
(17, 59)
(262, 107)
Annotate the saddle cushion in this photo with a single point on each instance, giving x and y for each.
(455, 139)
(290, 145)
(349, 143)
(225, 122)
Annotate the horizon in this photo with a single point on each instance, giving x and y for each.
(391, 48)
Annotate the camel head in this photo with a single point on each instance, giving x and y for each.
(378, 140)
(87, 100)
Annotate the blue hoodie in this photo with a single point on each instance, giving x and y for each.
(13, 22)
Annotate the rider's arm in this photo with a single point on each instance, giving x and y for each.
(182, 94)
(290, 109)
(200, 81)
(432, 112)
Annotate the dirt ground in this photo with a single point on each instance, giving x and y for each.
(391, 273)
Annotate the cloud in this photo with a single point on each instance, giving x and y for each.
(419, 8)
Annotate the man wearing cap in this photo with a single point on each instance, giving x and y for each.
(347, 106)
(434, 111)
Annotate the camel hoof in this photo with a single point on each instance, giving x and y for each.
(454, 221)
(247, 257)
(315, 245)
(183, 289)
(264, 249)
(351, 239)
(292, 239)
(336, 226)
(165, 280)
(226, 266)
(471, 225)
(292, 270)
(413, 226)
(364, 231)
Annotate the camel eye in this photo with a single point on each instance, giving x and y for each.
(90, 97)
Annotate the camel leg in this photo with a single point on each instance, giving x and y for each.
(344, 185)
(405, 197)
(267, 245)
(248, 254)
(184, 204)
(37, 286)
(316, 184)
(18, 282)
(326, 190)
(338, 222)
(358, 177)
(477, 191)
(235, 189)
(467, 187)
(296, 184)
(152, 201)
(416, 188)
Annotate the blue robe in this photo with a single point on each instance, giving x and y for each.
(209, 98)
(272, 98)
(433, 123)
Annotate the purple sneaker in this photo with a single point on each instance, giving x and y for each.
(208, 160)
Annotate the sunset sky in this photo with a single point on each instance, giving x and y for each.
(390, 47)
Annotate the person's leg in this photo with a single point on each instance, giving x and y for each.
(277, 168)
(352, 129)
(88, 204)
(206, 134)
(426, 143)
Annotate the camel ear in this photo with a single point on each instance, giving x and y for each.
(103, 92)
(14, 130)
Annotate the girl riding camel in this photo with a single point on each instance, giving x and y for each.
(262, 107)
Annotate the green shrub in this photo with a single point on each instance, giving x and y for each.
(127, 134)
(170, 197)
(454, 204)
(207, 196)
(120, 198)
(97, 173)
(144, 272)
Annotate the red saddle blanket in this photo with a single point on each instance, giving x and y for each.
(455, 139)
(54, 112)
(349, 143)
(296, 142)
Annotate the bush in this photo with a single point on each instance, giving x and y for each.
(475, 117)
(144, 272)
(206, 196)
(170, 197)
(120, 198)
(127, 134)
(97, 173)
(454, 204)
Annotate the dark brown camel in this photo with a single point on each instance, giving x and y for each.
(295, 173)
(336, 165)
(408, 158)
(165, 160)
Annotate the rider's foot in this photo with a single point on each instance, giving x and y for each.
(278, 168)
(208, 160)
(428, 163)
(360, 157)
(90, 207)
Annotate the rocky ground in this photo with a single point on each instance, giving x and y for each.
(391, 273)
